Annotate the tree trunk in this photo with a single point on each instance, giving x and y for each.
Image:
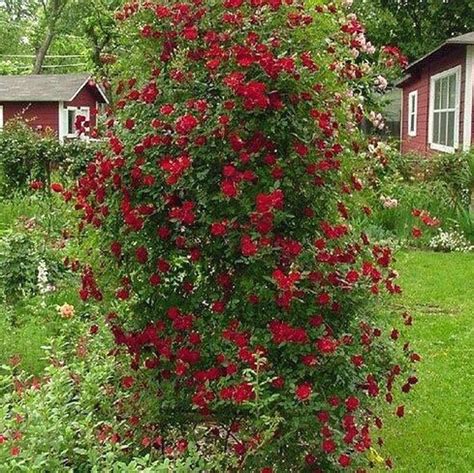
(42, 51)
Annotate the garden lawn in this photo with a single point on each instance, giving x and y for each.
(437, 432)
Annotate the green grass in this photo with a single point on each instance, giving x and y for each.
(29, 325)
(437, 432)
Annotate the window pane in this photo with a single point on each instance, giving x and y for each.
(444, 92)
(412, 122)
(450, 131)
(437, 94)
(452, 91)
(443, 127)
(436, 128)
(71, 118)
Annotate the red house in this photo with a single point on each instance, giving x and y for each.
(51, 101)
(437, 105)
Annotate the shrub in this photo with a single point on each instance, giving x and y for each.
(26, 155)
(29, 262)
(245, 298)
(456, 172)
(77, 155)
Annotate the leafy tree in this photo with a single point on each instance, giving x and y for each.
(417, 26)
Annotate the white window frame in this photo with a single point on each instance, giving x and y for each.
(412, 112)
(468, 97)
(1, 117)
(78, 111)
(457, 101)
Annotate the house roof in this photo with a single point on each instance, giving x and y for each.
(43, 87)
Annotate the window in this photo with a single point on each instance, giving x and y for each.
(444, 110)
(71, 114)
(412, 112)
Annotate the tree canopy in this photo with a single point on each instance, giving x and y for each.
(416, 26)
(56, 35)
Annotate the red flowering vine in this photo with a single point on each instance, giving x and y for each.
(244, 290)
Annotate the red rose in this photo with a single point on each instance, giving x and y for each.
(116, 249)
(127, 382)
(141, 253)
(352, 403)
(36, 185)
(218, 229)
(326, 345)
(344, 460)
(416, 232)
(57, 187)
(185, 124)
(247, 246)
(328, 445)
(303, 391)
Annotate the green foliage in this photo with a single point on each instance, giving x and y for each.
(416, 26)
(26, 155)
(77, 155)
(19, 259)
(441, 185)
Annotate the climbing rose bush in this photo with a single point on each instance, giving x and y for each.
(244, 296)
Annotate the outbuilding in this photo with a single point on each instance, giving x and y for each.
(437, 99)
(52, 102)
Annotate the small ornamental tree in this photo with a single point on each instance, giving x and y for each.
(244, 296)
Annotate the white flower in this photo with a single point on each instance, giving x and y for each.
(450, 241)
(377, 120)
(381, 82)
(388, 202)
(43, 284)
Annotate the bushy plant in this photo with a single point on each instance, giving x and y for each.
(450, 240)
(26, 155)
(245, 298)
(455, 171)
(30, 260)
(29, 157)
(77, 155)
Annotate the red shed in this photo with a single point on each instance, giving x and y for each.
(51, 101)
(437, 105)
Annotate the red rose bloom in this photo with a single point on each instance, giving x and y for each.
(303, 391)
(186, 124)
(57, 187)
(344, 460)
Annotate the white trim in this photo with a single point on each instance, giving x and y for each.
(436, 146)
(64, 121)
(83, 85)
(61, 122)
(468, 86)
(412, 111)
(402, 119)
(1, 117)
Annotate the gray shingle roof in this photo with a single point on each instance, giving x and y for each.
(41, 88)
(467, 38)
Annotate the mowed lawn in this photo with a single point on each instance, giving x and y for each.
(437, 432)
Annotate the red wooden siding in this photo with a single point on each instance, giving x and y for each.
(87, 97)
(443, 60)
(38, 114)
